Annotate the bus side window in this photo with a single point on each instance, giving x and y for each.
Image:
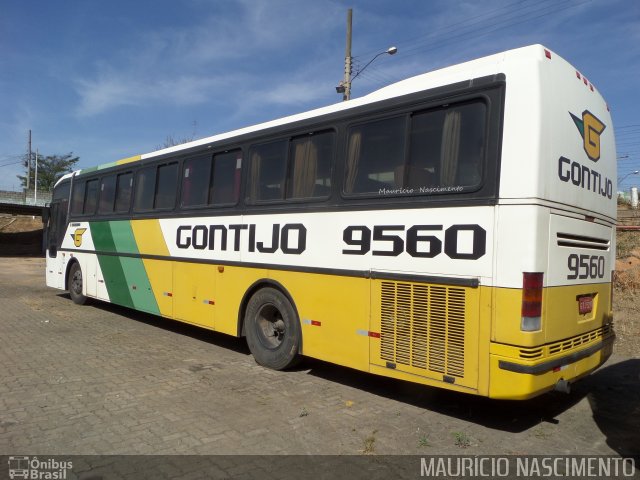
(166, 187)
(472, 138)
(375, 150)
(91, 197)
(77, 201)
(268, 170)
(446, 147)
(144, 189)
(196, 173)
(123, 192)
(225, 183)
(309, 174)
(107, 194)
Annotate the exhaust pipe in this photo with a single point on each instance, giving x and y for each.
(562, 386)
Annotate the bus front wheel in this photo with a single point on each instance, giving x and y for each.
(272, 329)
(75, 285)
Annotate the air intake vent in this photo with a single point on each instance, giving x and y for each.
(423, 326)
(580, 241)
(574, 342)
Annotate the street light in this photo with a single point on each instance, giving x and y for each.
(635, 172)
(344, 87)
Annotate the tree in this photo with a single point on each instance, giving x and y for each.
(170, 141)
(50, 169)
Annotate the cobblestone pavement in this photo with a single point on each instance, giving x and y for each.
(100, 379)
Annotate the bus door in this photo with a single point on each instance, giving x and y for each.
(54, 232)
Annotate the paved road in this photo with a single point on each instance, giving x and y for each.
(100, 379)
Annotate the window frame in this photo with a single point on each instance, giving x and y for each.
(289, 160)
(409, 112)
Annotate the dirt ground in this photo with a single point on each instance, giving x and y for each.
(20, 235)
(626, 294)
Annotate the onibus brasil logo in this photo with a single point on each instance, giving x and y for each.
(36, 469)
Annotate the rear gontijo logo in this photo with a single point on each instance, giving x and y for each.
(590, 127)
(77, 236)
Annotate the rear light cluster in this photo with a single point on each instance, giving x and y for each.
(579, 76)
(531, 301)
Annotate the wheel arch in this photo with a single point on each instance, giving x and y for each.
(256, 286)
(70, 263)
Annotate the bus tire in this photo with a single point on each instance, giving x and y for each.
(272, 329)
(75, 284)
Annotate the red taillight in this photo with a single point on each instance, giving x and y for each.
(532, 294)
(547, 54)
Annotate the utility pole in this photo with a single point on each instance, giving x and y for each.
(29, 162)
(35, 187)
(347, 60)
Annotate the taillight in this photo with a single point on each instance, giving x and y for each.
(531, 301)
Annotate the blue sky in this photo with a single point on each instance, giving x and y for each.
(111, 79)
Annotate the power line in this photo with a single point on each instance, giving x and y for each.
(12, 163)
(438, 41)
(447, 27)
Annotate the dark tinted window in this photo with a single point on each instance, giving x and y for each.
(78, 197)
(268, 170)
(145, 189)
(91, 197)
(375, 151)
(167, 186)
(309, 172)
(225, 184)
(62, 191)
(123, 192)
(446, 149)
(442, 153)
(196, 174)
(107, 194)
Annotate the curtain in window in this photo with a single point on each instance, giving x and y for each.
(450, 148)
(256, 160)
(353, 157)
(305, 165)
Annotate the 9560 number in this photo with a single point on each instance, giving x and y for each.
(585, 266)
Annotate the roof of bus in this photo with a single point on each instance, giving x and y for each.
(497, 63)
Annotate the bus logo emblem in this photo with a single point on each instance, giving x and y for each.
(590, 128)
(77, 236)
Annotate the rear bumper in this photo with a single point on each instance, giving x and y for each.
(516, 379)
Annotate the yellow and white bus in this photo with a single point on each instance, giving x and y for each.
(455, 229)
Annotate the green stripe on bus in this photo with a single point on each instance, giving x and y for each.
(112, 271)
(125, 277)
(134, 271)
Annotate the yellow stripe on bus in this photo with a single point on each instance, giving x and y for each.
(135, 158)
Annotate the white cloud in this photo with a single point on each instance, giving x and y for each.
(213, 58)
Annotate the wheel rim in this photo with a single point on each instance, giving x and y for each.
(270, 326)
(76, 282)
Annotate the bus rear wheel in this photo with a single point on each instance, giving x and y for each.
(75, 285)
(272, 329)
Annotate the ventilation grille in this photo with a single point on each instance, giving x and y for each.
(531, 353)
(423, 326)
(580, 241)
(567, 344)
(578, 340)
